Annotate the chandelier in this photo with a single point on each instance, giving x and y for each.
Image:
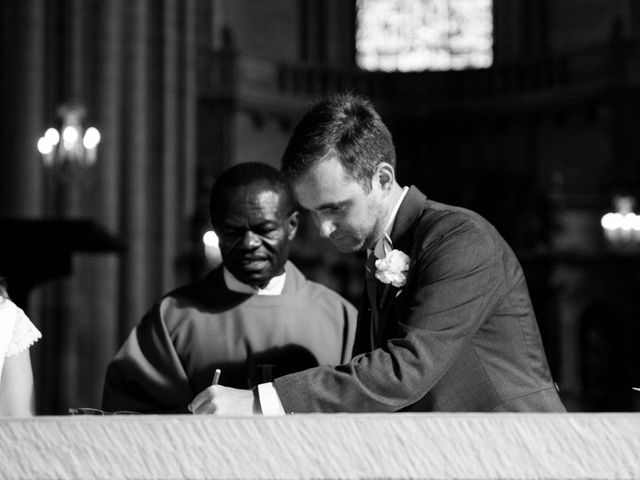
(622, 227)
(71, 148)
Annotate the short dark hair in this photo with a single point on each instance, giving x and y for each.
(248, 173)
(343, 125)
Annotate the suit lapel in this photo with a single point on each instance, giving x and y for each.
(401, 236)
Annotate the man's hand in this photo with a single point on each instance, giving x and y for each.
(219, 400)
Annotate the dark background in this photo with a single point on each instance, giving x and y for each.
(539, 143)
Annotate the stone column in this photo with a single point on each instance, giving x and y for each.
(21, 107)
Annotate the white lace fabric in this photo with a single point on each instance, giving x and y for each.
(22, 333)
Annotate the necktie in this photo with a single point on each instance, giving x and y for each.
(371, 283)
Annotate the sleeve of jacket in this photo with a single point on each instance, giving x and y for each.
(146, 374)
(453, 285)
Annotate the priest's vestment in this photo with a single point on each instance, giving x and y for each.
(172, 354)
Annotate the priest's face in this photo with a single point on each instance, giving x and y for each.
(255, 230)
(344, 212)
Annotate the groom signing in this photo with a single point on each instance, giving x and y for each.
(447, 323)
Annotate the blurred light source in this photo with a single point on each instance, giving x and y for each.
(212, 248)
(415, 35)
(210, 239)
(622, 227)
(45, 147)
(78, 148)
(91, 138)
(51, 136)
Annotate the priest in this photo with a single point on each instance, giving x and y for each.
(255, 317)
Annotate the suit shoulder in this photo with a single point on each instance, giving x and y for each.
(441, 219)
(436, 212)
(457, 227)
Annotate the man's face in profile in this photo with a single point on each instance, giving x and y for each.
(255, 230)
(342, 210)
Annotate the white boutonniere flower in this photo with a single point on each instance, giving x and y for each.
(393, 268)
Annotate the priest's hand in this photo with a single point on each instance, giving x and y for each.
(219, 400)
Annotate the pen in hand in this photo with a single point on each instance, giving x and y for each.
(216, 377)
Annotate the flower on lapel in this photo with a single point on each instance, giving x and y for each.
(393, 268)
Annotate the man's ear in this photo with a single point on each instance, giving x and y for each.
(384, 175)
(293, 221)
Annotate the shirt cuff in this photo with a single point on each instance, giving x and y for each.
(270, 403)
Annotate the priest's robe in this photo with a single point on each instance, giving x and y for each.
(172, 354)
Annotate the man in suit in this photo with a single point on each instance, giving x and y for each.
(447, 323)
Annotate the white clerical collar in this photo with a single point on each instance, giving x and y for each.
(274, 287)
(384, 245)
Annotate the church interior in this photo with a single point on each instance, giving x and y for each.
(528, 114)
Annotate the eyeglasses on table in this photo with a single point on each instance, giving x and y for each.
(97, 411)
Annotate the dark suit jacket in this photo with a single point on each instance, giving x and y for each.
(461, 335)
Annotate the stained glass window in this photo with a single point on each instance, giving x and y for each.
(414, 35)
